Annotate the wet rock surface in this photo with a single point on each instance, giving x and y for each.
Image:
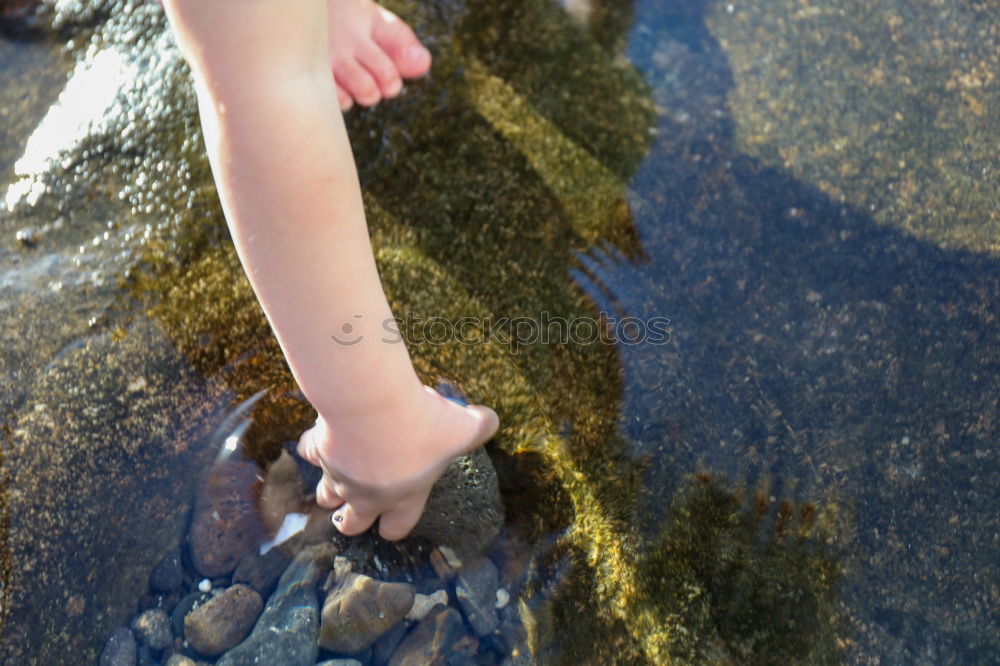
(476, 591)
(359, 610)
(226, 526)
(261, 572)
(432, 641)
(464, 510)
(168, 574)
(224, 621)
(287, 629)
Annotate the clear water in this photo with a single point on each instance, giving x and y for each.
(804, 471)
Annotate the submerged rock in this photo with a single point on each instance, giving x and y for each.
(476, 591)
(464, 510)
(168, 574)
(261, 572)
(224, 621)
(226, 525)
(431, 642)
(360, 610)
(152, 628)
(286, 631)
(120, 650)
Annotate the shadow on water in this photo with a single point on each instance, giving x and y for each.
(782, 481)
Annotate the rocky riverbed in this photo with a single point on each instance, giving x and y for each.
(225, 595)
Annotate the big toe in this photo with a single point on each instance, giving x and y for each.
(400, 43)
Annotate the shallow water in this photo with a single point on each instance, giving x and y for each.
(803, 472)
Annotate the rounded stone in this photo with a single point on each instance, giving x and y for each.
(152, 628)
(168, 574)
(121, 649)
(222, 622)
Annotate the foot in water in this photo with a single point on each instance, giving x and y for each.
(371, 52)
(382, 465)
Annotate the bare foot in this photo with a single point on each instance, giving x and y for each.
(371, 52)
(383, 465)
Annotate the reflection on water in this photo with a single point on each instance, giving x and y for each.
(803, 473)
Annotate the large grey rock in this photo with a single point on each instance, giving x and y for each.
(287, 629)
(224, 621)
(361, 609)
(261, 572)
(476, 591)
(465, 510)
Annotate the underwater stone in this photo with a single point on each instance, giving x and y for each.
(286, 631)
(224, 621)
(464, 510)
(179, 660)
(386, 644)
(225, 526)
(340, 662)
(431, 641)
(152, 628)
(476, 590)
(183, 607)
(359, 610)
(261, 572)
(120, 650)
(168, 574)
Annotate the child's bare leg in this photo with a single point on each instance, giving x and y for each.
(371, 52)
(286, 176)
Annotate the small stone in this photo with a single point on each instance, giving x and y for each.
(340, 662)
(464, 510)
(286, 631)
(423, 603)
(476, 588)
(359, 610)
(226, 526)
(205, 586)
(28, 236)
(179, 660)
(152, 628)
(431, 641)
(168, 574)
(121, 648)
(222, 622)
(503, 598)
(261, 572)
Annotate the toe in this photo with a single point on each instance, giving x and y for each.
(356, 80)
(401, 44)
(345, 99)
(326, 497)
(351, 521)
(382, 69)
(396, 524)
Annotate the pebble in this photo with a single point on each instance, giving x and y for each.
(223, 621)
(168, 574)
(205, 586)
(120, 650)
(287, 629)
(152, 628)
(225, 526)
(359, 610)
(431, 641)
(476, 590)
(423, 603)
(503, 598)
